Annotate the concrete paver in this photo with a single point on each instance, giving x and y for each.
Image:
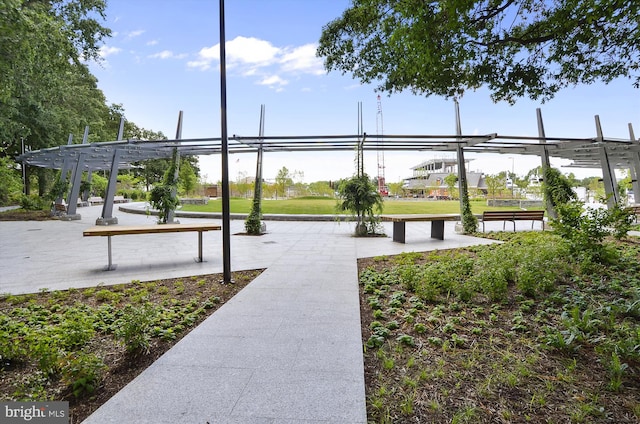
(286, 349)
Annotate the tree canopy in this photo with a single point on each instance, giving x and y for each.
(515, 48)
(47, 92)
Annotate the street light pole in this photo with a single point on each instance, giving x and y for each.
(226, 215)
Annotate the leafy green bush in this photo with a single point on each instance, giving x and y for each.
(586, 230)
(542, 262)
(32, 203)
(11, 187)
(135, 328)
(163, 200)
(76, 330)
(557, 188)
(81, 372)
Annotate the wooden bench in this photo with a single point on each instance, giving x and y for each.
(95, 200)
(437, 224)
(636, 211)
(117, 230)
(120, 199)
(513, 216)
(60, 208)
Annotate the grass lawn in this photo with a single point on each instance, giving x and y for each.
(319, 206)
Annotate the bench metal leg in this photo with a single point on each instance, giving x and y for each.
(437, 230)
(111, 265)
(199, 247)
(398, 232)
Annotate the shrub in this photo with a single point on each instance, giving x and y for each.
(163, 200)
(81, 372)
(541, 263)
(135, 328)
(76, 330)
(11, 187)
(32, 203)
(586, 231)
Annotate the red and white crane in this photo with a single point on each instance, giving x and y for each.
(382, 185)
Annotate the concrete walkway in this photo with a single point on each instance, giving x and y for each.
(286, 349)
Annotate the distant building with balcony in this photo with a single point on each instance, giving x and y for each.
(428, 179)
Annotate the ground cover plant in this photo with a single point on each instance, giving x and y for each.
(512, 332)
(84, 345)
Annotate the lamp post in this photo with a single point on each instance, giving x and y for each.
(226, 234)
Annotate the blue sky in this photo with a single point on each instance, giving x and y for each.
(163, 57)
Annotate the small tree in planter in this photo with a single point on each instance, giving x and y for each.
(164, 197)
(163, 200)
(469, 221)
(253, 224)
(358, 195)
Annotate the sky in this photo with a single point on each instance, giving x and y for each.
(163, 58)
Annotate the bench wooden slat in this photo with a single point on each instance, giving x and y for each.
(118, 230)
(437, 223)
(420, 217)
(512, 216)
(147, 229)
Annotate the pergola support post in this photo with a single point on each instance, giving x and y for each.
(176, 174)
(64, 171)
(76, 179)
(608, 173)
(107, 208)
(635, 167)
(107, 217)
(75, 191)
(463, 190)
(546, 163)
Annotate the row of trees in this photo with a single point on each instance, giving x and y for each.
(48, 92)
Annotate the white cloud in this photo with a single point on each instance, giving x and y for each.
(108, 51)
(167, 54)
(251, 51)
(134, 34)
(302, 59)
(152, 43)
(272, 81)
(259, 59)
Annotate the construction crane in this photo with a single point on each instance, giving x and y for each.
(382, 186)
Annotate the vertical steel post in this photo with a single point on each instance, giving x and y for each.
(75, 189)
(121, 129)
(635, 167)
(176, 173)
(107, 207)
(546, 163)
(64, 171)
(258, 182)
(23, 167)
(76, 179)
(107, 217)
(608, 173)
(226, 215)
(462, 171)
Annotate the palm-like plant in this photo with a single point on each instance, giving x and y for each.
(358, 195)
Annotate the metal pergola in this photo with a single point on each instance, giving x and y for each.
(601, 152)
